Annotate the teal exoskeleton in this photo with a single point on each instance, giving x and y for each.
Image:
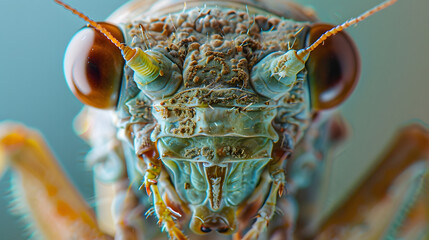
(214, 115)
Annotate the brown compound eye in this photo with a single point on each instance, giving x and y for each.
(333, 68)
(93, 67)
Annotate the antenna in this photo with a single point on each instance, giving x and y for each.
(144, 65)
(346, 24)
(128, 52)
(289, 64)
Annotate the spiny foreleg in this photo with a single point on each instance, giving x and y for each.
(266, 213)
(165, 214)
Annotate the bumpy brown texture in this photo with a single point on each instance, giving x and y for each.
(235, 152)
(185, 127)
(207, 97)
(216, 48)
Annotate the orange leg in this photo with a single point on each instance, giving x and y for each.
(392, 200)
(56, 208)
(165, 214)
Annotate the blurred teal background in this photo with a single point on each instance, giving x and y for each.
(393, 90)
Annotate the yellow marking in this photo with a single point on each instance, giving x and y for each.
(88, 219)
(64, 210)
(12, 140)
(52, 190)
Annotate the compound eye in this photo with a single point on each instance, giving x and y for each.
(93, 67)
(333, 68)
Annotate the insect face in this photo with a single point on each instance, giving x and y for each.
(213, 131)
(213, 101)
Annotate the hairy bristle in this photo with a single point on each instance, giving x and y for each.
(348, 23)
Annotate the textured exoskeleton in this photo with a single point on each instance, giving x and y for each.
(215, 121)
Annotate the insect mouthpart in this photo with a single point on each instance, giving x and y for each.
(204, 221)
(207, 172)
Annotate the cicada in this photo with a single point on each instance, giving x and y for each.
(212, 118)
